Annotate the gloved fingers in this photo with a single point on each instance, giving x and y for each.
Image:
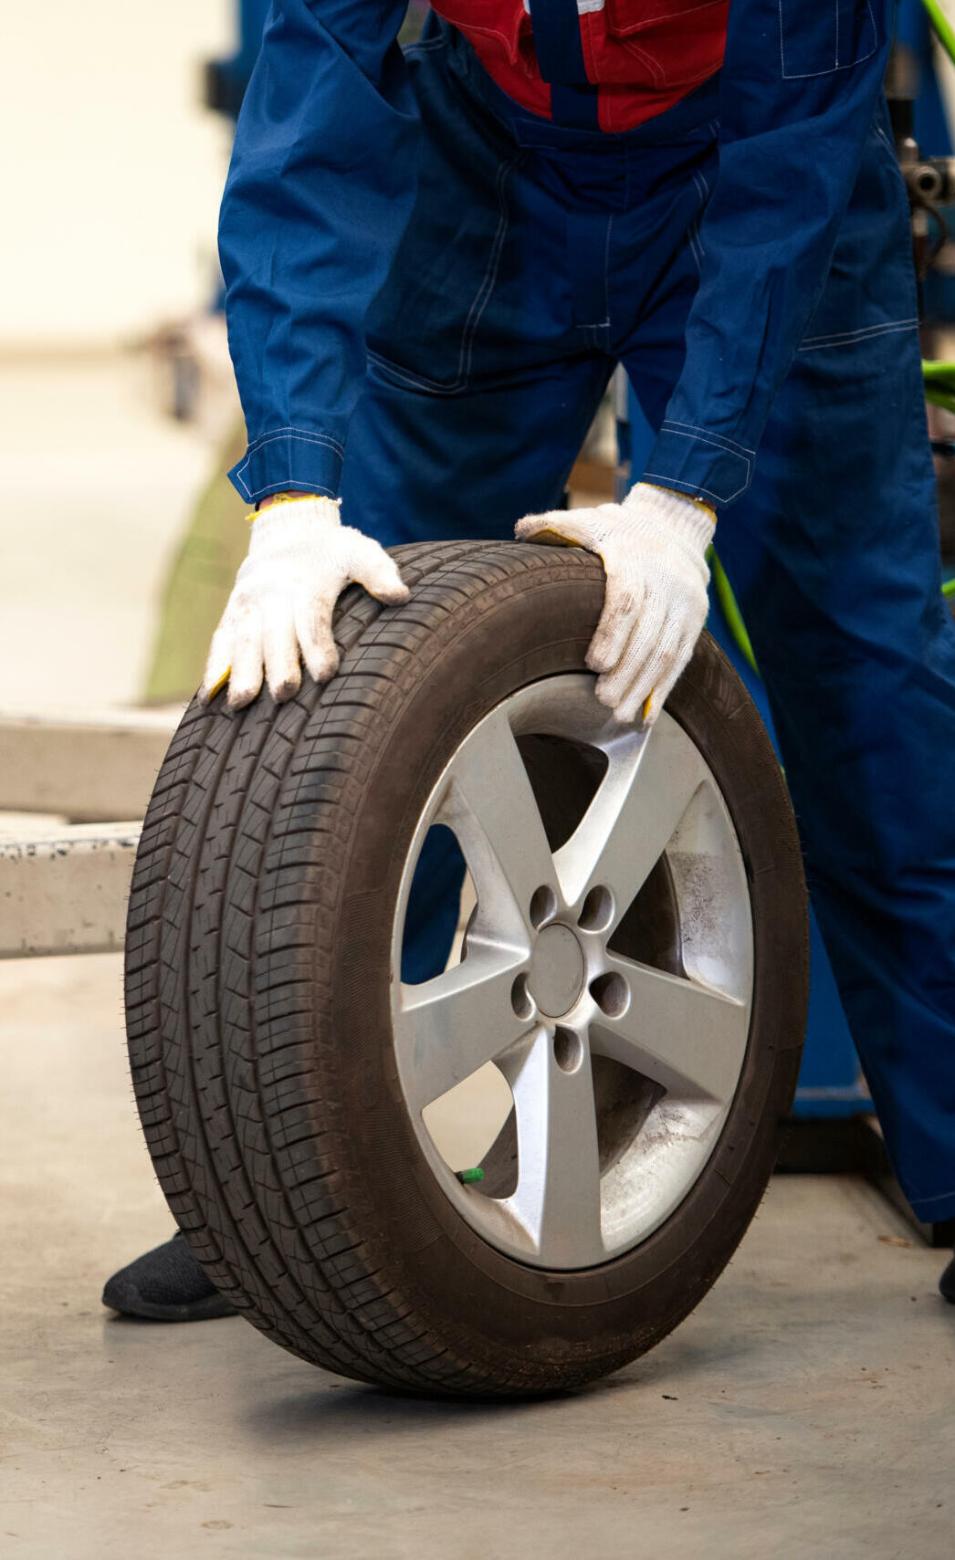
(627, 685)
(663, 687)
(376, 570)
(245, 683)
(558, 528)
(678, 647)
(648, 692)
(313, 625)
(621, 609)
(218, 663)
(283, 670)
(640, 704)
(679, 663)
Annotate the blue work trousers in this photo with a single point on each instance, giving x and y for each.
(538, 258)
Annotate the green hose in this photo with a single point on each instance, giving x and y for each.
(939, 384)
(942, 398)
(732, 613)
(734, 617)
(944, 30)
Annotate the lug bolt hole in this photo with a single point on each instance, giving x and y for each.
(543, 906)
(597, 911)
(611, 994)
(521, 1000)
(568, 1050)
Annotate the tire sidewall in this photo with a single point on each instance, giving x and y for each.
(462, 1285)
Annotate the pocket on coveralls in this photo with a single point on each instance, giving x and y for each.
(642, 42)
(821, 36)
(425, 329)
(869, 306)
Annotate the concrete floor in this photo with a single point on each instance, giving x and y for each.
(806, 1409)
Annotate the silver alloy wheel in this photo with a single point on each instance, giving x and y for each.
(543, 993)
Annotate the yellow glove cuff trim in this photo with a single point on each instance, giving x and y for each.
(292, 498)
(692, 498)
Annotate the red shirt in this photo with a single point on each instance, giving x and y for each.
(635, 58)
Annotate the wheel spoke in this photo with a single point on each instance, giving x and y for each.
(492, 809)
(549, 1206)
(687, 1037)
(557, 1200)
(647, 789)
(451, 1025)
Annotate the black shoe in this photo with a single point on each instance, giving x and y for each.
(166, 1285)
(946, 1283)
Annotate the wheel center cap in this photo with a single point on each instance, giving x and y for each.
(556, 975)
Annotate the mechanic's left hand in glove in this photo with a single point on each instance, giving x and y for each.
(653, 549)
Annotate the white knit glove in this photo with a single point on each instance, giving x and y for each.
(300, 560)
(653, 549)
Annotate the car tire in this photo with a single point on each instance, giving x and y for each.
(260, 983)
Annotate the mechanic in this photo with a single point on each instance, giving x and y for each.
(434, 261)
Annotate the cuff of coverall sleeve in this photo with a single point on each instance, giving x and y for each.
(703, 464)
(289, 460)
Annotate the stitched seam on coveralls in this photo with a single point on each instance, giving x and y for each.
(693, 232)
(940, 1197)
(298, 433)
(706, 433)
(425, 46)
(695, 487)
(885, 140)
(851, 338)
(696, 247)
(475, 313)
(722, 498)
(490, 276)
(828, 70)
(287, 435)
(283, 487)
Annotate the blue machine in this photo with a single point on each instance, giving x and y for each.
(831, 1082)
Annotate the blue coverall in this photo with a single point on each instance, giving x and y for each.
(421, 270)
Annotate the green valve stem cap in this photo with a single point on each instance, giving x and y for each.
(468, 1177)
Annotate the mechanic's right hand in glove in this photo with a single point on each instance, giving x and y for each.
(653, 549)
(300, 560)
